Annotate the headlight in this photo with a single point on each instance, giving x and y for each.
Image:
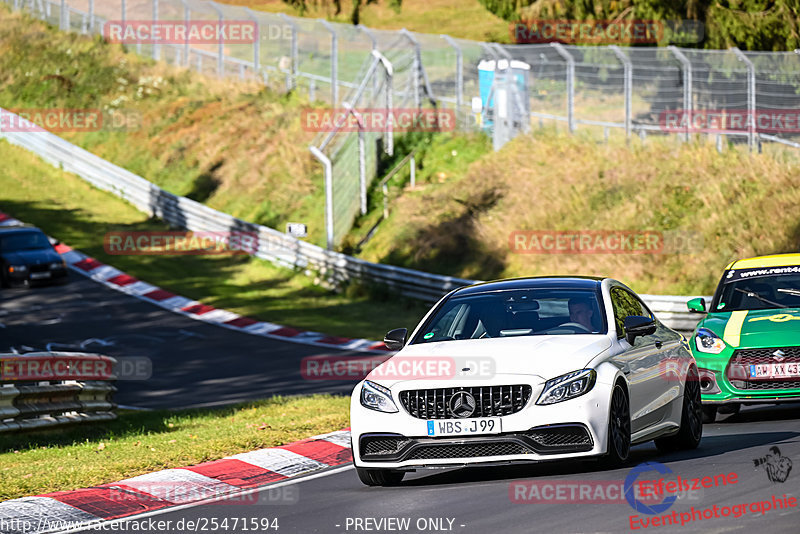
(57, 265)
(377, 397)
(708, 342)
(567, 386)
(17, 268)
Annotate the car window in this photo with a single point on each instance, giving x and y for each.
(515, 313)
(626, 304)
(18, 241)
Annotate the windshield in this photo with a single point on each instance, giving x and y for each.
(758, 289)
(515, 313)
(23, 241)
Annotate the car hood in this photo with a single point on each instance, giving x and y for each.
(542, 357)
(32, 257)
(756, 328)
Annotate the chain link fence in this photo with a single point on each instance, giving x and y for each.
(733, 96)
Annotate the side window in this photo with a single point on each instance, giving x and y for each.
(625, 304)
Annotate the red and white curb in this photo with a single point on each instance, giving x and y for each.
(226, 481)
(120, 281)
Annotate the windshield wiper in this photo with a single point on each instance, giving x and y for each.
(795, 292)
(757, 296)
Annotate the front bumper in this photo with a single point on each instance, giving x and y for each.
(574, 428)
(29, 276)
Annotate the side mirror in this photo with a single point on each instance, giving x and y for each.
(395, 339)
(697, 305)
(636, 326)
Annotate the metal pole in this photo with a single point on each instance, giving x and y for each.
(334, 61)
(459, 71)
(328, 170)
(417, 66)
(124, 10)
(413, 170)
(187, 14)
(293, 83)
(257, 43)
(687, 87)
(751, 97)
(366, 31)
(389, 70)
(221, 46)
(156, 46)
(559, 48)
(63, 17)
(628, 86)
(91, 16)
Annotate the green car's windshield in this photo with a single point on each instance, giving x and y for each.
(514, 313)
(758, 289)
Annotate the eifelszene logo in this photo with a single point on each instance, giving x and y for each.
(777, 466)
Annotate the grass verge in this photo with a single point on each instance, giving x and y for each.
(66, 207)
(79, 456)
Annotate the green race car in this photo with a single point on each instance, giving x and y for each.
(747, 347)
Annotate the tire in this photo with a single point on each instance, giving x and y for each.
(379, 477)
(619, 429)
(709, 414)
(691, 429)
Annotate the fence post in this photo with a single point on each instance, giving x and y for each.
(687, 87)
(63, 20)
(559, 48)
(257, 43)
(334, 62)
(91, 16)
(291, 83)
(328, 169)
(389, 70)
(628, 86)
(221, 46)
(156, 45)
(362, 161)
(366, 31)
(187, 14)
(459, 71)
(416, 67)
(751, 97)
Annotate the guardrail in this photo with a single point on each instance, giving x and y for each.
(43, 389)
(274, 246)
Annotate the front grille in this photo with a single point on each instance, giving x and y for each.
(383, 445)
(739, 368)
(467, 450)
(491, 401)
(560, 436)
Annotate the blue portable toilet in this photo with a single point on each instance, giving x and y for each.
(486, 75)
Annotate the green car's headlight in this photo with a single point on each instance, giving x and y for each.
(707, 341)
(376, 397)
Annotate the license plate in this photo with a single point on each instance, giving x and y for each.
(775, 370)
(465, 427)
(37, 276)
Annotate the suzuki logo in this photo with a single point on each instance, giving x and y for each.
(779, 355)
(462, 404)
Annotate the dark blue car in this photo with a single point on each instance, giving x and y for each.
(27, 256)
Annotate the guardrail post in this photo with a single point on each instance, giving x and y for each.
(459, 71)
(291, 83)
(559, 48)
(628, 86)
(334, 62)
(63, 20)
(156, 46)
(257, 43)
(751, 97)
(328, 170)
(687, 87)
(221, 46)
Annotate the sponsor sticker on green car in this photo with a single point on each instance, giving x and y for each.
(747, 346)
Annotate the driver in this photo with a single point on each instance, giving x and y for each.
(581, 312)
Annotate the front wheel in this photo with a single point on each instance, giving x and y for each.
(619, 429)
(379, 477)
(691, 429)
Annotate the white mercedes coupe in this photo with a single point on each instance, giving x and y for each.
(526, 370)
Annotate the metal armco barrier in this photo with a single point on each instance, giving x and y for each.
(43, 389)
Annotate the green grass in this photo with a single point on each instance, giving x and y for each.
(135, 443)
(76, 213)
